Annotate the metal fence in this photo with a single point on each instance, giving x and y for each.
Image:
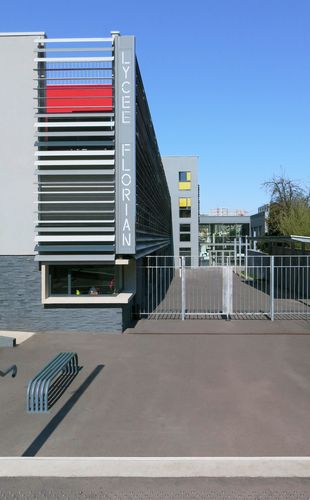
(229, 252)
(263, 286)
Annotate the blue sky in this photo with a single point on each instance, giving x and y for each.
(227, 80)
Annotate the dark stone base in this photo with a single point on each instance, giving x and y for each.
(21, 308)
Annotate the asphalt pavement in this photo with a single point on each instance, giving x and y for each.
(149, 489)
(163, 396)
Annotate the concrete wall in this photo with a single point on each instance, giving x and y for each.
(173, 165)
(282, 250)
(17, 144)
(224, 219)
(21, 308)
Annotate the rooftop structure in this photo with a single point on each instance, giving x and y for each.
(220, 212)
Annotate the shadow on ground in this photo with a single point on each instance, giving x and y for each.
(46, 433)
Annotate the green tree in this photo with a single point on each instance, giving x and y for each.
(296, 220)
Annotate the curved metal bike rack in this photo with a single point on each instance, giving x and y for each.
(65, 364)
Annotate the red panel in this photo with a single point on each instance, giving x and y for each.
(78, 98)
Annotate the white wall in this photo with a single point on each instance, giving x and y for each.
(17, 144)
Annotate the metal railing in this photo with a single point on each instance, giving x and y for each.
(223, 253)
(12, 369)
(262, 286)
(48, 385)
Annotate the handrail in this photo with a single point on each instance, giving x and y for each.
(12, 369)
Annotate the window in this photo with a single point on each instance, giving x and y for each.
(185, 232)
(186, 252)
(84, 280)
(184, 176)
(185, 236)
(59, 283)
(184, 180)
(185, 207)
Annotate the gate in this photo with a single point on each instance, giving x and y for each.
(263, 286)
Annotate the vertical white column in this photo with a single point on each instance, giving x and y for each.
(246, 257)
(183, 287)
(227, 293)
(255, 242)
(272, 287)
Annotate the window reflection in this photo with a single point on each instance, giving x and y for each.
(85, 280)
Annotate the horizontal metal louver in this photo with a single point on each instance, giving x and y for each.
(75, 149)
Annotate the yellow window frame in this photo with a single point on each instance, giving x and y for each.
(185, 202)
(184, 186)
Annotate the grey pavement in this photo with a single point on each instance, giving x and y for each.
(221, 327)
(164, 395)
(148, 488)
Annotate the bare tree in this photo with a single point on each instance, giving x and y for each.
(287, 199)
(285, 191)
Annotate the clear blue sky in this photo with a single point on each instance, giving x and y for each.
(227, 80)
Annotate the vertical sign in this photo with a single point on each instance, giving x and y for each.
(125, 144)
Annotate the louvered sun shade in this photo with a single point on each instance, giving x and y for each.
(75, 156)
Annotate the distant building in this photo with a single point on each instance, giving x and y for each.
(182, 177)
(221, 229)
(259, 226)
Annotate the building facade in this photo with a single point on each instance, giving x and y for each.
(182, 177)
(84, 198)
(259, 225)
(217, 232)
(223, 227)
